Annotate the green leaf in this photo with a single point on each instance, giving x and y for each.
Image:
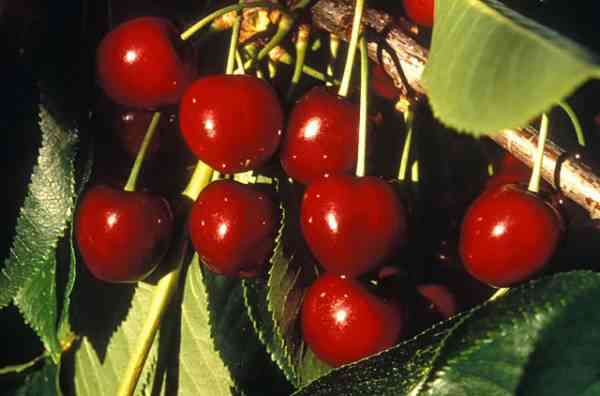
(29, 275)
(490, 68)
(95, 373)
(201, 370)
(538, 339)
(41, 382)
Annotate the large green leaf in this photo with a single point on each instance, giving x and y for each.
(490, 68)
(29, 275)
(100, 375)
(539, 339)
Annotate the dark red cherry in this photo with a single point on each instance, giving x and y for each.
(130, 127)
(321, 137)
(122, 236)
(383, 85)
(232, 227)
(138, 65)
(343, 322)
(231, 122)
(351, 224)
(508, 235)
(420, 11)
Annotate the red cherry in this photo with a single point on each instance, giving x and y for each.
(352, 224)
(343, 322)
(508, 235)
(122, 236)
(231, 122)
(321, 138)
(383, 85)
(232, 227)
(130, 127)
(139, 66)
(420, 11)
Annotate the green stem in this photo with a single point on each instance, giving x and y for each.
(235, 35)
(283, 28)
(309, 71)
(499, 293)
(409, 116)
(19, 368)
(139, 159)
(347, 76)
(534, 181)
(575, 121)
(334, 49)
(161, 298)
(301, 46)
(200, 178)
(363, 109)
(414, 172)
(236, 7)
(163, 294)
(240, 62)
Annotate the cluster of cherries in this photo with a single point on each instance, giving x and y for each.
(352, 225)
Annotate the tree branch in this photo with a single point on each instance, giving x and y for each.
(577, 180)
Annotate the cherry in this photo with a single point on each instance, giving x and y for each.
(321, 138)
(231, 122)
(138, 65)
(122, 236)
(420, 11)
(130, 127)
(343, 322)
(508, 235)
(383, 85)
(352, 224)
(232, 227)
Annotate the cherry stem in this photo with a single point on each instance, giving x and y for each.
(334, 48)
(414, 172)
(534, 181)
(18, 368)
(347, 76)
(165, 289)
(575, 121)
(499, 293)
(287, 59)
(409, 117)
(301, 45)
(363, 108)
(235, 35)
(139, 159)
(236, 7)
(200, 178)
(283, 28)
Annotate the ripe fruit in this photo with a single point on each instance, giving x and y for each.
(231, 122)
(122, 235)
(352, 224)
(130, 128)
(440, 299)
(343, 322)
(139, 66)
(232, 226)
(508, 235)
(321, 137)
(420, 11)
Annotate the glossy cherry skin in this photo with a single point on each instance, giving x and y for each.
(343, 322)
(231, 122)
(352, 224)
(232, 227)
(130, 127)
(321, 137)
(420, 12)
(122, 236)
(508, 235)
(138, 65)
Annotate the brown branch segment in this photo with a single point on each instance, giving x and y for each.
(578, 181)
